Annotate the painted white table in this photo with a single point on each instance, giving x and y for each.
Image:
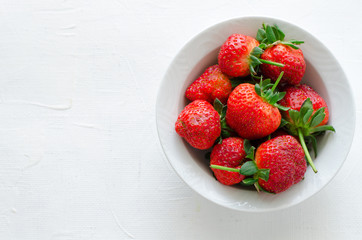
(79, 155)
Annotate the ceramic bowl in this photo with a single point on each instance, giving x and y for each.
(323, 73)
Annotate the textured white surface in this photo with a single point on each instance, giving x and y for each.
(79, 155)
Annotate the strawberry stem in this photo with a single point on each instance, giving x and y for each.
(224, 168)
(271, 63)
(277, 81)
(304, 146)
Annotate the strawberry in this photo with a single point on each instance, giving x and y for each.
(296, 95)
(241, 155)
(306, 118)
(199, 124)
(276, 49)
(238, 56)
(252, 111)
(284, 157)
(230, 153)
(293, 60)
(279, 163)
(210, 85)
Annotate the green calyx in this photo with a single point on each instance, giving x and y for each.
(304, 124)
(272, 35)
(267, 91)
(268, 36)
(226, 131)
(249, 168)
(255, 61)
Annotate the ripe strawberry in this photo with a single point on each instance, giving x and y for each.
(306, 117)
(284, 157)
(199, 124)
(296, 95)
(278, 50)
(210, 85)
(230, 153)
(293, 60)
(252, 111)
(238, 56)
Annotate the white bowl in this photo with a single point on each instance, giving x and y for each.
(323, 73)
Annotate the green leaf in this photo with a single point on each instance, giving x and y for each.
(264, 83)
(223, 111)
(257, 51)
(265, 41)
(281, 95)
(289, 44)
(249, 181)
(307, 104)
(225, 126)
(281, 107)
(267, 94)
(264, 26)
(276, 34)
(260, 35)
(248, 168)
(268, 86)
(280, 32)
(317, 117)
(306, 110)
(264, 174)
(322, 129)
(218, 106)
(270, 34)
(283, 123)
(218, 140)
(262, 45)
(225, 133)
(294, 115)
(307, 115)
(296, 41)
(257, 89)
(251, 68)
(254, 60)
(313, 141)
(273, 99)
(249, 149)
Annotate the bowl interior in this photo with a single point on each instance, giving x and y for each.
(323, 73)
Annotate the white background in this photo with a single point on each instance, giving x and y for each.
(79, 154)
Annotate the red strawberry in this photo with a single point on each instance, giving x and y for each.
(234, 55)
(230, 153)
(276, 49)
(252, 110)
(293, 60)
(210, 85)
(199, 124)
(307, 116)
(284, 157)
(296, 95)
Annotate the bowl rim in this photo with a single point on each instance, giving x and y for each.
(266, 19)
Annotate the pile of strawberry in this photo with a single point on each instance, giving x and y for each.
(254, 99)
